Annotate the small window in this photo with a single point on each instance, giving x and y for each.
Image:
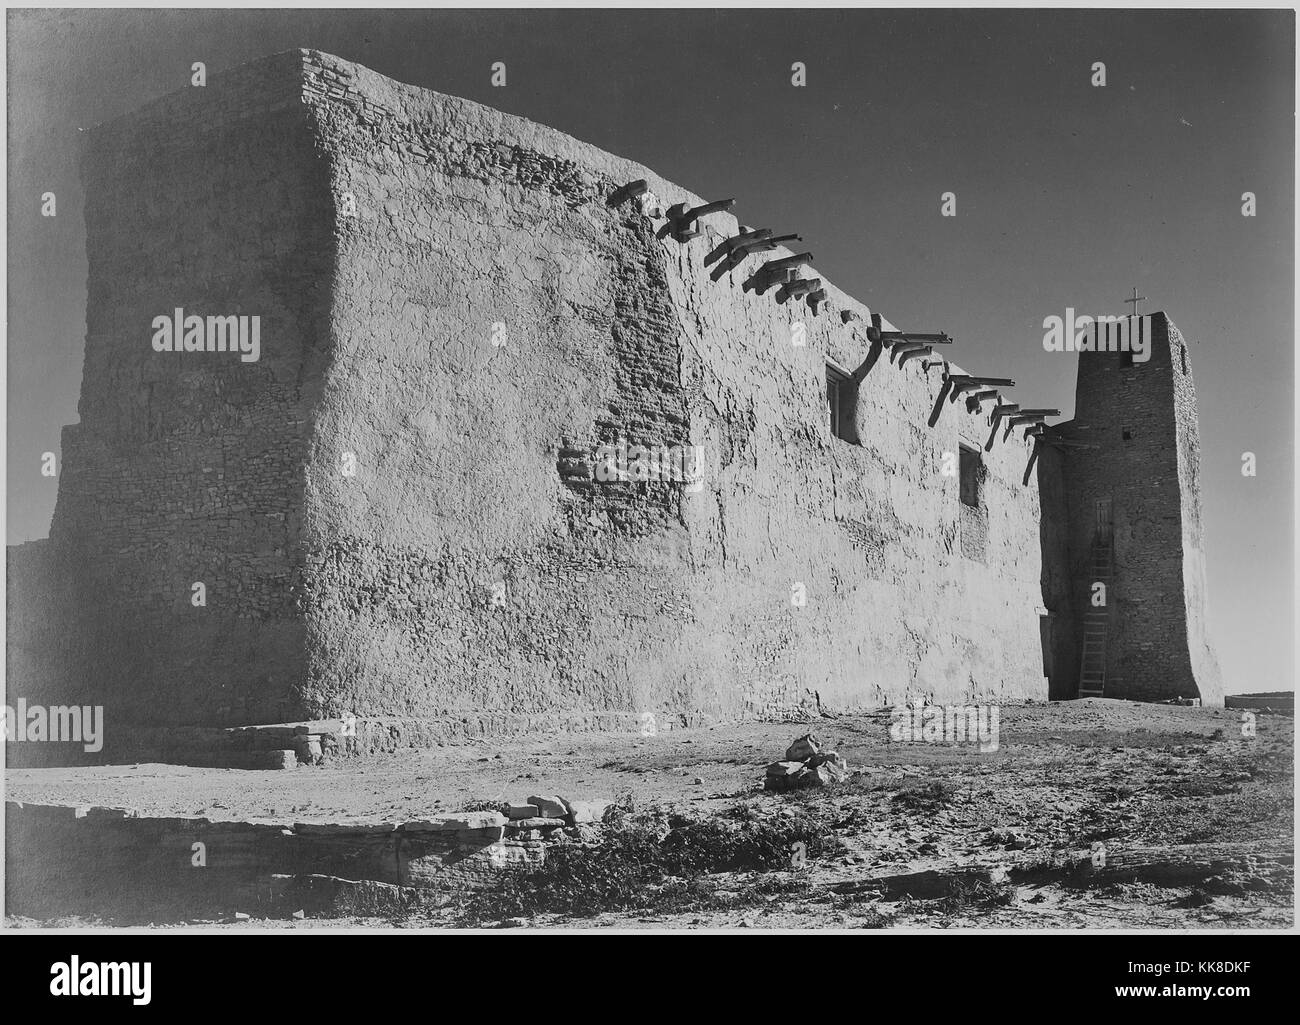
(1128, 435)
(1182, 351)
(971, 473)
(840, 403)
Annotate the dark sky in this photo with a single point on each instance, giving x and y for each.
(1067, 195)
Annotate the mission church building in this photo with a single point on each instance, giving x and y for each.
(402, 507)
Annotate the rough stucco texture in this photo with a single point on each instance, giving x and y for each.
(393, 510)
(457, 570)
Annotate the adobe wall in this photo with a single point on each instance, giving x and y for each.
(1059, 627)
(1157, 646)
(393, 510)
(188, 467)
(38, 591)
(468, 567)
(1204, 661)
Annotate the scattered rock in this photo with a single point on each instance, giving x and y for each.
(828, 758)
(550, 807)
(274, 759)
(803, 748)
(825, 774)
(805, 765)
(308, 749)
(785, 775)
(522, 811)
(588, 811)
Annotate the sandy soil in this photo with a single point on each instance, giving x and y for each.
(1066, 776)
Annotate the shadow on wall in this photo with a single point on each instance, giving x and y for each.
(1057, 623)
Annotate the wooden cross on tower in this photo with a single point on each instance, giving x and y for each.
(1135, 300)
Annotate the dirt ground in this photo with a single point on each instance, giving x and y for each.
(1066, 776)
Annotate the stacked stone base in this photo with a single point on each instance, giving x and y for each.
(84, 860)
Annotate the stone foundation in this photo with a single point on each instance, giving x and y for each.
(63, 859)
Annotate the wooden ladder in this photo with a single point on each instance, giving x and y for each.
(1092, 662)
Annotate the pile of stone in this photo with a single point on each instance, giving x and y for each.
(542, 812)
(806, 765)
